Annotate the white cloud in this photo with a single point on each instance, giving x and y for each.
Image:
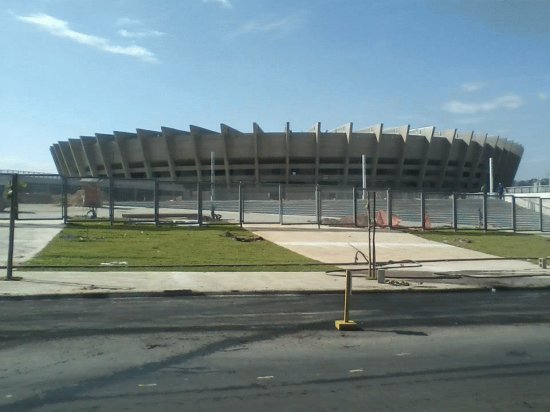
(542, 95)
(503, 102)
(61, 28)
(281, 26)
(224, 3)
(140, 33)
(471, 87)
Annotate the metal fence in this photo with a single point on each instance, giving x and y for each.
(51, 197)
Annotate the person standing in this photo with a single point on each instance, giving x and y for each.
(500, 190)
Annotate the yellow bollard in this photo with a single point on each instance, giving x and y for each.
(347, 324)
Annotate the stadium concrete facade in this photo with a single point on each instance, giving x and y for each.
(400, 157)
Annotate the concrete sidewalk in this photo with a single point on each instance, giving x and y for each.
(412, 264)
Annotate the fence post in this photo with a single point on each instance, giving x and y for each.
(156, 202)
(199, 204)
(455, 214)
(513, 213)
(485, 208)
(423, 210)
(241, 204)
(390, 207)
(318, 205)
(354, 206)
(280, 204)
(111, 201)
(64, 200)
(541, 215)
(13, 216)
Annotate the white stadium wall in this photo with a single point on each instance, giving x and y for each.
(399, 158)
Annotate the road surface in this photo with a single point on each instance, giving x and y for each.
(478, 351)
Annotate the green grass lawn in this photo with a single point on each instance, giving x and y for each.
(170, 248)
(503, 244)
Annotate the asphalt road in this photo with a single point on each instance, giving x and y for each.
(431, 352)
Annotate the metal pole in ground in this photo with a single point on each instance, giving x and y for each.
(541, 215)
(13, 215)
(280, 204)
(364, 174)
(455, 214)
(65, 200)
(423, 210)
(347, 324)
(199, 204)
(318, 206)
(374, 234)
(354, 206)
(241, 205)
(369, 228)
(513, 213)
(485, 208)
(390, 211)
(156, 202)
(111, 201)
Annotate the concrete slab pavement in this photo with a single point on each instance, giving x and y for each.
(329, 245)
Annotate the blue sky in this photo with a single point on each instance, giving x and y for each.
(79, 67)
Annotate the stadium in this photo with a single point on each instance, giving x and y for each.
(401, 158)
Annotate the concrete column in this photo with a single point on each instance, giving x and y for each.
(70, 161)
(142, 136)
(476, 161)
(59, 156)
(104, 152)
(120, 139)
(226, 132)
(374, 166)
(195, 133)
(56, 160)
(404, 132)
(429, 133)
(169, 155)
(257, 133)
(317, 132)
(451, 136)
(288, 134)
(86, 141)
(462, 161)
(348, 130)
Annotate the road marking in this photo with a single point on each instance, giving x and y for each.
(355, 370)
(402, 354)
(265, 377)
(147, 385)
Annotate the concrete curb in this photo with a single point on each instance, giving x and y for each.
(191, 293)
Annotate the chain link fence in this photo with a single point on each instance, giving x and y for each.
(51, 197)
